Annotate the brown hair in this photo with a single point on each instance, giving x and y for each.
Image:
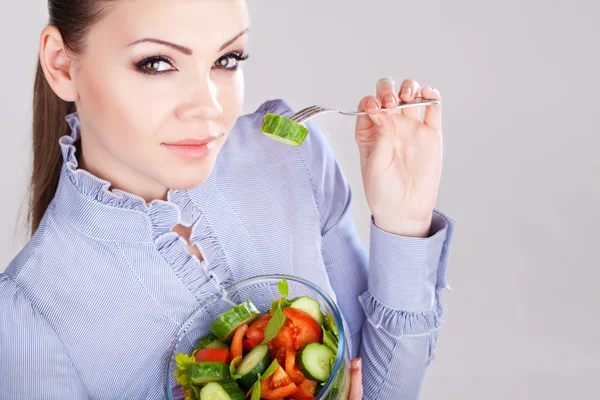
(73, 19)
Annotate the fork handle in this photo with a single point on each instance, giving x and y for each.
(417, 102)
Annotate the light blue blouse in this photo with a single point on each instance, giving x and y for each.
(89, 307)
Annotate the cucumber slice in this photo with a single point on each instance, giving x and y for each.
(330, 341)
(309, 306)
(226, 325)
(208, 371)
(256, 362)
(210, 341)
(284, 130)
(224, 390)
(314, 360)
(217, 344)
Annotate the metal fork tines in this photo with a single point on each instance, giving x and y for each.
(312, 111)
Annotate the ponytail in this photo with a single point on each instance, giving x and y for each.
(73, 19)
(49, 112)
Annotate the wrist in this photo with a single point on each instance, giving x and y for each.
(403, 226)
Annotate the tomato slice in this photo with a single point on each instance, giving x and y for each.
(216, 355)
(299, 330)
(283, 391)
(256, 331)
(306, 331)
(290, 368)
(279, 345)
(307, 388)
(285, 337)
(278, 385)
(249, 344)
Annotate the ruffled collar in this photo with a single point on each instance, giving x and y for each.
(85, 202)
(81, 194)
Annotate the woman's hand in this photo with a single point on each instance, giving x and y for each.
(401, 158)
(356, 388)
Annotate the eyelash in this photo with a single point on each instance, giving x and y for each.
(150, 60)
(239, 56)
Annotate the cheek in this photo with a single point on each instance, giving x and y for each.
(126, 106)
(231, 98)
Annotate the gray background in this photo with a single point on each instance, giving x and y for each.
(520, 82)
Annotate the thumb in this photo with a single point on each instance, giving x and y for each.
(356, 387)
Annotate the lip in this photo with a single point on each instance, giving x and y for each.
(192, 148)
(193, 142)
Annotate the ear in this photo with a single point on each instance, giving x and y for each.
(57, 65)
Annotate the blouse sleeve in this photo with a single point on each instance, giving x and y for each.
(33, 362)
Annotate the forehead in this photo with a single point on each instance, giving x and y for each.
(202, 25)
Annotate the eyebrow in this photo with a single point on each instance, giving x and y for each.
(185, 50)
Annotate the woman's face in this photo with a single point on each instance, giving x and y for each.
(156, 75)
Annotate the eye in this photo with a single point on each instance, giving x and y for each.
(230, 61)
(155, 65)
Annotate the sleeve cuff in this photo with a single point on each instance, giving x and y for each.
(405, 271)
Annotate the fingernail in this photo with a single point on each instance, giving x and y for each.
(359, 363)
(375, 118)
(408, 92)
(390, 100)
(372, 106)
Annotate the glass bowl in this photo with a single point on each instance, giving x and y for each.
(261, 290)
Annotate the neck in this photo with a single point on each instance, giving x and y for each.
(95, 159)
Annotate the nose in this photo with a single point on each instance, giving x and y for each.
(203, 103)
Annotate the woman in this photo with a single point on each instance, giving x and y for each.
(162, 193)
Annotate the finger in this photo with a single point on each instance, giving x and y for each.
(408, 91)
(375, 131)
(386, 92)
(356, 387)
(433, 113)
(371, 105)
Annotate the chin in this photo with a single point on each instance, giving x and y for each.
(188, 180)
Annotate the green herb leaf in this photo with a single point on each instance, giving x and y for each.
(282, 285)
(274, 324)
(330, 340)
(181, 374)
(271, 370)
(339, 379)
(183, 361)
(274, 305)
(195, 392)
(284, 303)
(232, 368)
(330, 324)
(256, 390)
(182, 378)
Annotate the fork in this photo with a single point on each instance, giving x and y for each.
(310, 112)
